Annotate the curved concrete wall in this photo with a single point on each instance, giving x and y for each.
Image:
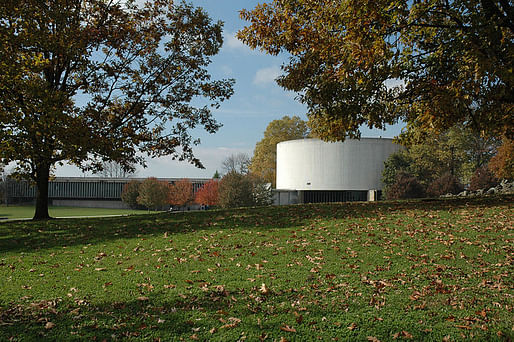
(312, 164)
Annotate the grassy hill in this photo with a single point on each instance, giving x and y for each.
(421, 270)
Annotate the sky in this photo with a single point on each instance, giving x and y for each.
(257, 101)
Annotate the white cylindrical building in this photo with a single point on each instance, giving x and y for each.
(312, 165)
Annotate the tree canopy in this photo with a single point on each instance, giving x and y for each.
(457, 152)
(264, 160)
(208, 193)
(238, 163)
(86, 81)
(181, 193)
(432, 63)
(153, 193)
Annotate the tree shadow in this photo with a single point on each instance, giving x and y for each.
(28, 236)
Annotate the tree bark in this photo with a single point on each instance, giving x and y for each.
(42, 178)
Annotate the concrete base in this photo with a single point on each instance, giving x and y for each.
(285, 197)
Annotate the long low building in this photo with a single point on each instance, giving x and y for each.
(93, 192)
(312, 170)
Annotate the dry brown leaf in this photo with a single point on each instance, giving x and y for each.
(49, 325)
(287, 328)
(264, 289)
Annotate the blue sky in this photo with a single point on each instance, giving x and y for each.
(257, 101)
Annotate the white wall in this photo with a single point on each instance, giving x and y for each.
(312, 164)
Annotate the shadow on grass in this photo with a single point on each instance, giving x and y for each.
(149, 318)
(219, 315)
(29, 236)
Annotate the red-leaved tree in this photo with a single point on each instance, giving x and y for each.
(181, 193)
(208, 193)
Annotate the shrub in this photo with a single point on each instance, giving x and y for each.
(261, 190)
(397, 162)
(405, 186)
(235, 190)
(130, 193)
(446, 184)
(153, 194)
(482, 178)
(181, 193)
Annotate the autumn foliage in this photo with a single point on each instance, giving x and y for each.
(483, 179)
(236, 190)
(445, 184)
(502, 164)
(436, 63)
(181, 193)
(405, 186)
(264, 160)
(153, 193)
(138, 65)
(208, 193)
(130, 193)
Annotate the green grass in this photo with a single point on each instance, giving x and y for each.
(433, 271)
(20, 212)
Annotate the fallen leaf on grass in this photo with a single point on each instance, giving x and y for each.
(404, 334)
(235, 321)
(100, 269)
(142, 298)
(287, 328)
(264, 289)
(352, 326)
(463, 326)
(373, 339)
(49, 325)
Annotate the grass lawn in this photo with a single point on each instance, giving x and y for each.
(18, 212)
(435, 271)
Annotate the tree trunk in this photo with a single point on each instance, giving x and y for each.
(42, 176)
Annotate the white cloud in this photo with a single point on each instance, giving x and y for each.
(227, 71)
(266, 75)
(232, 42)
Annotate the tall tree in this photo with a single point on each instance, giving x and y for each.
(86, 81)
(430, 62)
(264, 161)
